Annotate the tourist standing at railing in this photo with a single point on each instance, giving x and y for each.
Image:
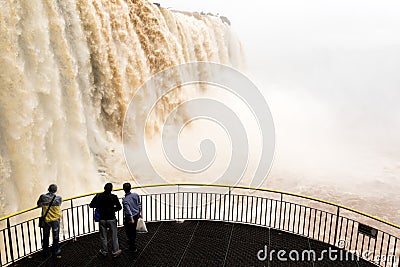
(107, 204)
(132, 212)
(51, 211)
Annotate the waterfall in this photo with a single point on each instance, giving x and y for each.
(67, 72)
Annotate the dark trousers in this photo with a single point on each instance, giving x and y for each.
(130, 229)
(55, 227)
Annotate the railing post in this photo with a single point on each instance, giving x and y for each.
(280, 212)
(229, 203)
(10, 243)
(73, 220)
(179, 205)
(337, 224)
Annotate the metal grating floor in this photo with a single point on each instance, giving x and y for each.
(191, 243)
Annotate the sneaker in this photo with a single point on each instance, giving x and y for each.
(116, 254)
(103, 253)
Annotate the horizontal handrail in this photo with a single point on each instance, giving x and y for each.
(224, 186)
(290, 212)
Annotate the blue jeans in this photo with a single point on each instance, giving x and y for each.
(112, 224)
(55, 227)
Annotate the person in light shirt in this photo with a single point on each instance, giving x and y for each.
(132, 212)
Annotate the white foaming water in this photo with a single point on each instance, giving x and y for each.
(68, 70)
(337, 152)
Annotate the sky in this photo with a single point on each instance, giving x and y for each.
(330, 72)
(284, 28)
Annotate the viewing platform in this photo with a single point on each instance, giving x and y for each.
(198, 243)
(212, 225)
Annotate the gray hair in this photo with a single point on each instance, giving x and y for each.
(52, 188)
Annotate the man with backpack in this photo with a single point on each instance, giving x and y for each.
(51, 214)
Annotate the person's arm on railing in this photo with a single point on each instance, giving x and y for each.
(40, 201)
(93, 203)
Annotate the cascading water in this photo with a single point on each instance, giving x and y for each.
(67, 72)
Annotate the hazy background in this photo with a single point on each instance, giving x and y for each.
(330, 73)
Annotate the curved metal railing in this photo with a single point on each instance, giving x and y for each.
(364, 235)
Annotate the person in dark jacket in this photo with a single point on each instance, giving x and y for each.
(107, 204)
(132, 212)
